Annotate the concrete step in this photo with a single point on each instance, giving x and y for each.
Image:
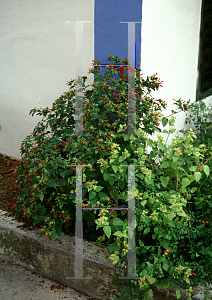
(56, 260)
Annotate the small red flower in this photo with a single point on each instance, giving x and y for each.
(132, 285)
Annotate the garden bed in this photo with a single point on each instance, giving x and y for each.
(19, 240)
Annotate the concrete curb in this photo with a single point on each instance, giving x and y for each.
(56, 259)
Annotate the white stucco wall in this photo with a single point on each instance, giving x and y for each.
(37, 59)
(38, 56)
(170, 48)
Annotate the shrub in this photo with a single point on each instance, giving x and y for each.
(164, 225)
(201, 202)
(45, 178)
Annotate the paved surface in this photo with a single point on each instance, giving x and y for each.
(18, 283)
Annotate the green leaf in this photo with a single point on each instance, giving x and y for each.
(165, 164)
(117, 233)
(141, 243)
(192, 190)
(107, 231)
(174, 159)
(92, 195)
(106, 176)
(164, 121)
(140, 175)
(165, 244)
(103, 196)
(192, 169)
(143, 203)
(114, 194)
(99, 188)
(141, 151)
(206, 169)
(115, 168)
(161, 146)
(144, 272)
(58, 228)
(54, 236)
(118, 222)
(126, 137)
(201, 226)
(123, 212)
(165, 266)
(146, 296)
(113, 247)
(145, 195)
(150, 293)
(36, 222)
(41, 197)
(140, 227)
(172, 224)
(185, 182)
(122, 185)
(156, 230)
(164, 181)
(122, 158)
(112, 179)
(163, 284)
(165, 131)
(178, 294)
(146, 230)
(197, 176)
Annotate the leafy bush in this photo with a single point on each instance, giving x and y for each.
(45, 178)
(164, 224)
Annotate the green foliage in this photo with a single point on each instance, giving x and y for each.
(171, 242)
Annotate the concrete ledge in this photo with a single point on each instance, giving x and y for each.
(56, 259)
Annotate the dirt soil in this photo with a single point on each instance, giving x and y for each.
(8, 191)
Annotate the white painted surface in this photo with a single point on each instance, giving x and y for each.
(170, 48)
(37, 59)
(38, 56)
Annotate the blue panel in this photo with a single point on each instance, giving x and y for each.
(111, 36)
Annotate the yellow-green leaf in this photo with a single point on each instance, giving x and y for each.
(163, 284)
(192, 169)
(164, 180)
(206, 169)
(115, 168)
(185, 182)
(150, 293)
(197, 176)
(178, 294)
(107, 231)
